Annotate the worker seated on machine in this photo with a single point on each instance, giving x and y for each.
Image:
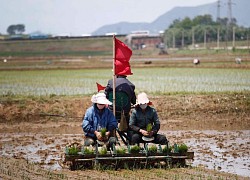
(144, 123)
(125, 96)
(99, 122)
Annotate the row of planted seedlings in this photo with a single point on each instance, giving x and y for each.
(130, 156)
(148, 149)
(149, 152)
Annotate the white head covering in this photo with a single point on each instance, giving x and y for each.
(142, 98)
(100, 98)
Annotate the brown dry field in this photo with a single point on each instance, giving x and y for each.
(62, 116)
(177, 112)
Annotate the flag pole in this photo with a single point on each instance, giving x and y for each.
(114, 76)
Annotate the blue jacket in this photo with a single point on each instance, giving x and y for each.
(92, 120)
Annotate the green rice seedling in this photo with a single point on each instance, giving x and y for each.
(149, 127)
(103, 132)
(183, 148)
(73, 150)
(88, 150)
(121, 150)
(135, 149)
(167, 149)
(152, 149)
(102, 151)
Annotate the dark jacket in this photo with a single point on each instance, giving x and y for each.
(122, 85)
(140, 120)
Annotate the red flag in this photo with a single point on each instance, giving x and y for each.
(122, 57)
(100, 87)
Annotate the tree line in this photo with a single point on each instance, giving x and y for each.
(203, 29)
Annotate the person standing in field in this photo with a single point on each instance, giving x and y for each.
(144, 123)
(125, 86)
(98, 117)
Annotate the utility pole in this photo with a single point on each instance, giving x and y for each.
(182, 39)
(219, 22)
(173, 39)
(233, 37)
(229, 12)
(248, 41)
(229, 20)
(205, 38)
(218, 11)
(193, 37)
(218, 37)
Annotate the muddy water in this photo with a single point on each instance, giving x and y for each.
(226, 151)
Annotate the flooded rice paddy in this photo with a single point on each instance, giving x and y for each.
(226, 151)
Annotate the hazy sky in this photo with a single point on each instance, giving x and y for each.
(78, 17)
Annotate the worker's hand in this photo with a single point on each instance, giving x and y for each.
(107, 134)
(143, 132)
(151, 133)
(98, 136)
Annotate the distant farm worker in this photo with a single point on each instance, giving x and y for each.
(97, 118)
(122, 85)
(196, 61)
(144, 123)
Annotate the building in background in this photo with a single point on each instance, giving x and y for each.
(143, 39)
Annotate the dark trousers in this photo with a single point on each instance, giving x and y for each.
(92, 141)
(136, 138)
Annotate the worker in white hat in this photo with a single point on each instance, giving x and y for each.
(98, 117)
(144, 123)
